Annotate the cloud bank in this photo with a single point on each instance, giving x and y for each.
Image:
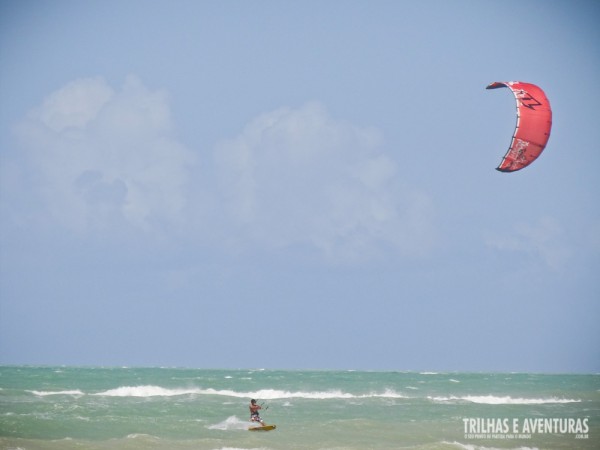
(101, 159)
(298, 176)
(543, 241)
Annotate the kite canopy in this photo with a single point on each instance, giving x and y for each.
(534, 120)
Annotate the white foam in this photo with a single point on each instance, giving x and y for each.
(494, 400)
(45, 393)
(479, 447)
(231, 423)
(274, 394)
(147, 391)
(140, 435)
(237, 448)
(263, 394)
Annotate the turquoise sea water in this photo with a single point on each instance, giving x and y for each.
(166, 408)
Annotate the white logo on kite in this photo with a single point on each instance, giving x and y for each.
(519, 150)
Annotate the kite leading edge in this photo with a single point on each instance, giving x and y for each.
(534, 121)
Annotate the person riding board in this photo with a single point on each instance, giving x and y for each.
(254, 415)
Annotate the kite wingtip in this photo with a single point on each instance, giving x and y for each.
(504, 168)
(496, 85)
(507, 169)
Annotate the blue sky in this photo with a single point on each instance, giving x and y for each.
(297, 185)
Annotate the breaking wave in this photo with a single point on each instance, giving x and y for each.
(263, 394)
(494, 400)
(276, 394)
(479, 447)
(146, 391)
(45, 393)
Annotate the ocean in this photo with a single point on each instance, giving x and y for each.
(170, 408)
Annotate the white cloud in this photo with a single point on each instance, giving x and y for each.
(74, 105)
(298, 176)
(542, 241)
(103, 156)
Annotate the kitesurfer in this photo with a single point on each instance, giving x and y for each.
(254, 415)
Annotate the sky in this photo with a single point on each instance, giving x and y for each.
(297, 185)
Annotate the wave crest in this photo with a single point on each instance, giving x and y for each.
(45, 393)
(146, 391)
(494, 400)
(263, 394)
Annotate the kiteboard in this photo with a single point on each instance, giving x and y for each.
(263, 428)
